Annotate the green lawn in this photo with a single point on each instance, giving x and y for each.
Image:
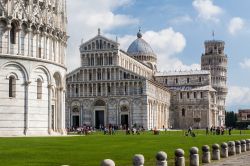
(90, 150)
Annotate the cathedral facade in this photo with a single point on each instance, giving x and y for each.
(124, 88)
(32, 67)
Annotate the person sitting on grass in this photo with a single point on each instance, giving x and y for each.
(127, 131)
(105, 131)
(156, 132)
(190, 130)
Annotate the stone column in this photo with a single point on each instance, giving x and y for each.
(8, 28)
(238, 147)
(26, 112)
(107, 162)
(206, 157)
(179, 157)
(61, 109)
(63, 112)
(70, 90)
(161, 159)
(194, 156)
(29, 30)
(69, 116)
(83, 90)
(138, 160)
(231, 148)
(49, 109)
(44, 45)
(215, 152)
(19, 29)
(243, 146)
(81, 114)
(79, 90)
(224, 150)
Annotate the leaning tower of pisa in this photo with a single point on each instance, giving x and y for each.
(215, 60)
(32, 67)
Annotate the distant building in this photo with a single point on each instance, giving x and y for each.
(122, 88)
(243, 115)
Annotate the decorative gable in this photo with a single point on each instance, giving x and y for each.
(99, 43)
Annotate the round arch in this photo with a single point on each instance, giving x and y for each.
(44, 69)
(58, 79)
(19, 65)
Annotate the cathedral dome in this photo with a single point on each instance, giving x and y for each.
(140, 47)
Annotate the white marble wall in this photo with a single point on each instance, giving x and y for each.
(24, 114)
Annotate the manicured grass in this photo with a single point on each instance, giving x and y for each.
(90, 150)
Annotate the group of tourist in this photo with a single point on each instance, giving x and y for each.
(110, 130)
(81, 130)
(135, 130)
(219, 130)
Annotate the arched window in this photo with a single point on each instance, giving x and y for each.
(183, 112)
(199, 79)
(12, 86)
(176, 80)
(13, 34)
(39, 88)
(181, 96)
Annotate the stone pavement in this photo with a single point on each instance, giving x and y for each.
(239, 160)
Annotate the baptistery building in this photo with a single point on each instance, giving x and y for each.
(32, 67)
(124, 88)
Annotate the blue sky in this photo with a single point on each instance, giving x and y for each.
(176, 30)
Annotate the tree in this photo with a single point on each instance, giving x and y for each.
(231, 119)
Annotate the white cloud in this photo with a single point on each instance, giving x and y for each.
(86, 16)
(166, 43)
(238, 96)
(236, 24)
(207, 10)
(181, 19)
(245, 64)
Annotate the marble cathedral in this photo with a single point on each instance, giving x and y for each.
(32, 67)
(124, 88)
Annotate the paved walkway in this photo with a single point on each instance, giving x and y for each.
(239, 160)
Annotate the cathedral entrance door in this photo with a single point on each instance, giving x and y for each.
(76, 121)
(99, 119)
(124, 121)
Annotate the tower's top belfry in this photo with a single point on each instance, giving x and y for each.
(44, 15)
